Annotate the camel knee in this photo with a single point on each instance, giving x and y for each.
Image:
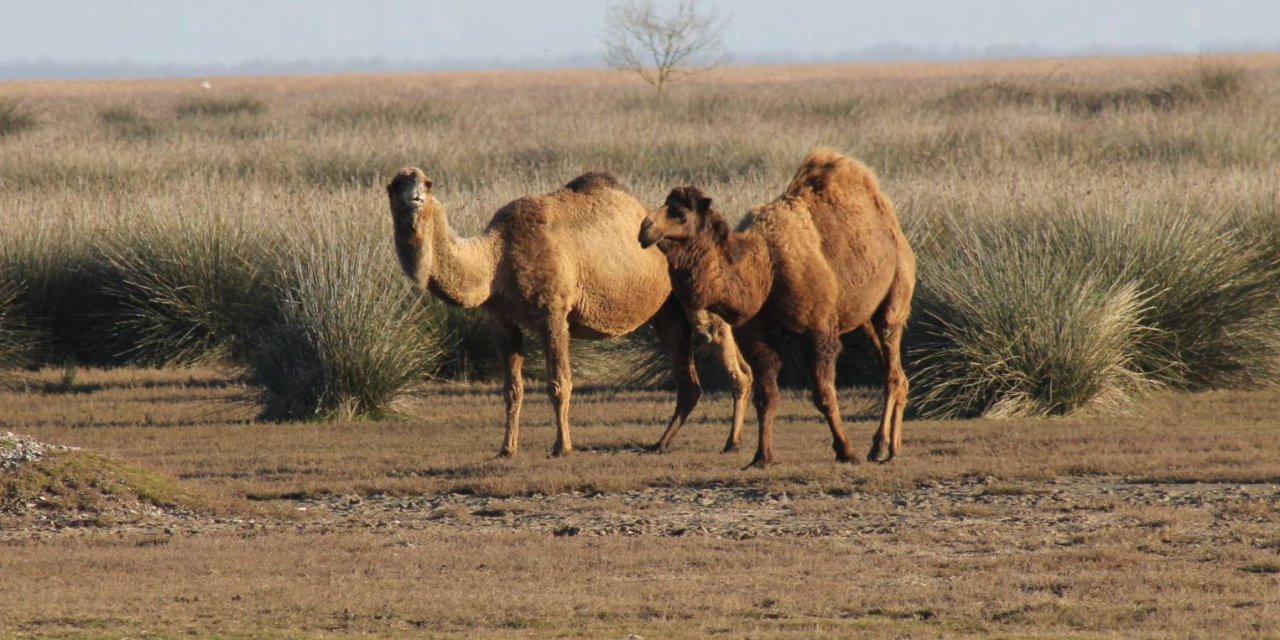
(897, 386)
(764, 398)
(823, 399)
(559, 390)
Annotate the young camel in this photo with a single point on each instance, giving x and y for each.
(825, 258)
(561, 265)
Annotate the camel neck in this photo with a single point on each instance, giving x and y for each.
(459, 271)
(731, 278)
(463, 269)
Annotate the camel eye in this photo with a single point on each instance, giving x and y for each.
(677, 215)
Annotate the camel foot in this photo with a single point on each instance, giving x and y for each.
(879, 454)
(730, 447)
(760, 462)
(658, 447)
(847, 456)
(559, 451)
(506, 453)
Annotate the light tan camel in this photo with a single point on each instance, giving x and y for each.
(562, 265)
(825, 258)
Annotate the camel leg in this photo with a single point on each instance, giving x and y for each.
(765, 364)
(673, 329)
(512, 344)
(824, 348)
(559, 379)
(870, 330)
(889, 436)
(739, 377)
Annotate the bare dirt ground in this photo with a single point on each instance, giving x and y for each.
(1163, 523)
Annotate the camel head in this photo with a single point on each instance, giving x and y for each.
(412, 206)
(681, 217)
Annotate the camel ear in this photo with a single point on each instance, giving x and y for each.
(426, 184)
(704, 205)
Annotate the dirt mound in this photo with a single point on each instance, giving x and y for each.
(66, 486)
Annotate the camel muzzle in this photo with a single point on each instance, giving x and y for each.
(647, 237)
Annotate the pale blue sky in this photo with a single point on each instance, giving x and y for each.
(183, 32)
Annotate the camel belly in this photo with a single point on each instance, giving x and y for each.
(619, 293)
(619, 308)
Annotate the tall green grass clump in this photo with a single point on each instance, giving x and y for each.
(16, 116)
(1002, 329)
(350, 340)
(1045, 312)
(190, 292)
(1214, 292)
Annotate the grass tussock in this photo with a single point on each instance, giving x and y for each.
(126, 122)
(220, 106)
(1088, 307)
(350, 340)
(1003, 330)
(63, 303)
(16, 116)
(14, 339)
(189, 293)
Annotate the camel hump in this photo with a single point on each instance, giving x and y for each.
(829, 170)
(593, 180)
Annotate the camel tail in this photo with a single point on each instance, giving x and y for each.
(829, 173)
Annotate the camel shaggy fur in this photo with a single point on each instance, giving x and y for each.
(561, 265)
(825, 258)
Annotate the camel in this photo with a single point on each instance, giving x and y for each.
(825, 258)
(561, 265)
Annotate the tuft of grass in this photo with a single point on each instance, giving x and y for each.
(1212, 310)
(1003, 330)
(62, 302)
(14, 338)
(125, 121)
(350, 340)
(16, 116)
(221, 106)
(190, 291)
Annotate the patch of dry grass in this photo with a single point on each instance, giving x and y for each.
(974, 559)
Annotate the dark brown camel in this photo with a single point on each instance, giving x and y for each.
(825, 258)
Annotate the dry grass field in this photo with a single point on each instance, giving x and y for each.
(1098, 241)
(1162, 523)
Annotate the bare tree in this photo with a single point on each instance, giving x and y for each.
(657, 47)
